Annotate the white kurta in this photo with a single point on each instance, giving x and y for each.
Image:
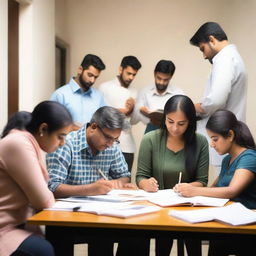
(115, 96)
(226, 88)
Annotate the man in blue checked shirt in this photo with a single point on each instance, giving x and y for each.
(78, 168)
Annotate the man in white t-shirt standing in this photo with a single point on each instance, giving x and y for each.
(118, 94)
(226, 87)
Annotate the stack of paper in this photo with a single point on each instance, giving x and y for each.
(175, 199)
(234, 214)
(165, 197)
(115, 195)
(122, 210)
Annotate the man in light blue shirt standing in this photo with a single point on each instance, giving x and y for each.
(78, 96)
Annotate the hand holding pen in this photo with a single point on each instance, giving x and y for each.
(149, 185)
(175, 188)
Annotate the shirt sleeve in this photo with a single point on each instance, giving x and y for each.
(247, 161)
(102, 100)
(58, 164)
(144, 168)
(119, 167)
(136, 114)
(221, 80)
(57, 97)
(203, 160)
(24, 167)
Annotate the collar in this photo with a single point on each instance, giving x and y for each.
(223, 51)
(169, 90)
(76, 88)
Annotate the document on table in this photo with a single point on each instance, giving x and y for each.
(165, 197)
(234, 214)
(115, 195)
(121, 210)
(170, 198)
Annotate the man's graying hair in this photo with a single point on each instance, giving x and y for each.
(111, 118)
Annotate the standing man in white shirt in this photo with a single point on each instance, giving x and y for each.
(119, 94)
(155, 96)
(226, 87)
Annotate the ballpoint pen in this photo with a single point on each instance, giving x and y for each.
(180, 175)
(102, 174)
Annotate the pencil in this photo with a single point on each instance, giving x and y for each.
(180, 175)
(102, 174)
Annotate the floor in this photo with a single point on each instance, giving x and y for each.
(81, 249)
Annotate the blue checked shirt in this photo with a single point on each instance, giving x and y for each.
(74, 163)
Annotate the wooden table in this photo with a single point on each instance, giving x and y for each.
(150, 225)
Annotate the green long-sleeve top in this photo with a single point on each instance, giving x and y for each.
(156, 160)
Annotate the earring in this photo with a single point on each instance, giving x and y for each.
(41, 134)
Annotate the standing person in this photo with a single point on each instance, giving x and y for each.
(24, 176)
(226, 87)
(172, 149)
(237, 179)
(119, 94)
(154, 97)
(73, 172)
(78, 96)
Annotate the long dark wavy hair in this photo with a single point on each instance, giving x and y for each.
(185, 104)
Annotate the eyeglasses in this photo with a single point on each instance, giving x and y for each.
(108, 138)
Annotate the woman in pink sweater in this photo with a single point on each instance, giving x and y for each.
(23, 176)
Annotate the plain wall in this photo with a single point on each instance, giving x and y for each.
(36, 54)
(154, 30)
(3, 60)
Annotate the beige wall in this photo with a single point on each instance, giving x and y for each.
(156, 29)
(36, 53)
(3, 61)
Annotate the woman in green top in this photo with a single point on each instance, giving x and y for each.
(172, 149)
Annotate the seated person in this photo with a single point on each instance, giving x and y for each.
(172, 149)
(74, 167)
(24, 176)
(237, 179)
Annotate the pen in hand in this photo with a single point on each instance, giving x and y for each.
(102, 174)
(180, 175)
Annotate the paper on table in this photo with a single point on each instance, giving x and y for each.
(170, 198)
(224, 214)
(122, 210)
(115, 195)
(90, 205)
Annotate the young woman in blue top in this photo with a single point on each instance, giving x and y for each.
(237, 179)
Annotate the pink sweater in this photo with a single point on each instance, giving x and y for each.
(23, 185)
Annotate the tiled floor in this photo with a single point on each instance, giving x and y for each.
(81, 249)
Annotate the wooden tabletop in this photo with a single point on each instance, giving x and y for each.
(160, 221)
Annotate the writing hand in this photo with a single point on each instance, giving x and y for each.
(149, 185)
(185, 189)
(130, 186)
(101, 187)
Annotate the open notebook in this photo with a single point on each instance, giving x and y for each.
(165, 197)
(121, 210)
(234, 214)
(170, 198)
